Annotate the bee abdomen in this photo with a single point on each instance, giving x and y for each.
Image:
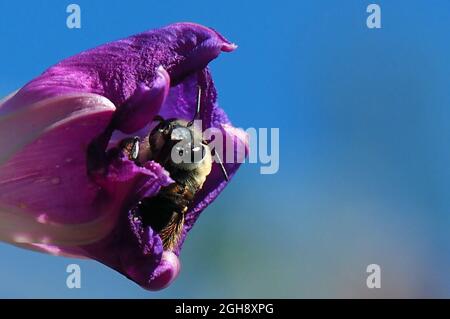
(165, 212)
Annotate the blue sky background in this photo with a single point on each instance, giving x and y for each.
(364, 118)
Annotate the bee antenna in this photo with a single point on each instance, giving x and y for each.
(222, 167)
(196, 116)
(197, 111)
(199, 98)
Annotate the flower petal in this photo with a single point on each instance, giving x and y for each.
(166, 272)
(45, 194)
(6, 98)
(116, 70)
(144, 104)
(39, 117)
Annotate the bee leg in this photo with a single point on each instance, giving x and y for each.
(135, 149)
(145, 103)
(171, 233)
(197, 111)
(130, 146)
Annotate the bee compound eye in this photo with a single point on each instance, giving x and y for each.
(197, 153)
(180, 134)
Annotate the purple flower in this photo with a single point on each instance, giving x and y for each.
(60, 191)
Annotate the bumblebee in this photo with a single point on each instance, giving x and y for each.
(170, 141)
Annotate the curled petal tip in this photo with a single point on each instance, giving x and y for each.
(166, 272)
(229, 47)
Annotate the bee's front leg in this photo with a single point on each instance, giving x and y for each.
(130, 146)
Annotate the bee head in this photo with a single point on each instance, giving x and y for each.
(177, 142)
(180, 143)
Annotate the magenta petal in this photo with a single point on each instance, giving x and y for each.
(44, 183)
(151, 267)
(166, 273)
(115, 70)
(144, 104)
(22, 126)
(131, 248)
